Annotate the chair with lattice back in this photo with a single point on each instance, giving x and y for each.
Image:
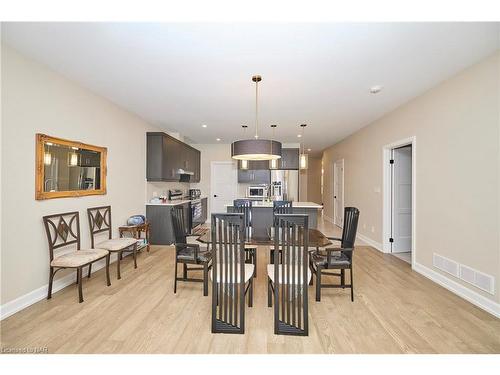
(244, 206)
(279, 207)
(289, 276)
(100, 221)
(63, 230)
(232, 277)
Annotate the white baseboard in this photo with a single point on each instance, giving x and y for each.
(20, 303)
(370, 242)
(468, 294)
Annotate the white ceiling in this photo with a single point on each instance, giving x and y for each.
(180, 76)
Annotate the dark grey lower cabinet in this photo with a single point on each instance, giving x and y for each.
(204, 209)
(159, 216)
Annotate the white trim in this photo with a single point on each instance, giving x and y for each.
(372, 243)
(30, 298)
(469, 295)
(386, 195)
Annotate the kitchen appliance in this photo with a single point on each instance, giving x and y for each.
(175, 194)
(257, 191)
(196, 214)
(184, 176)
(285, 185)
(194, 193)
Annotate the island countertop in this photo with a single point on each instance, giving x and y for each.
(257, 204)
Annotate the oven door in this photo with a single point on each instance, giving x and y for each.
(196, 214)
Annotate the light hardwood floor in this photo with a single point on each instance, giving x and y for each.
(395, 311)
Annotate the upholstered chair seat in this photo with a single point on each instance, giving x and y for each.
(298, 280)
(188, 254)
(249, 270)
(78, 258)
(116, 244)
(336, 259)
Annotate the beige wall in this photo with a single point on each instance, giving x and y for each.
(314, 180)
(37, 100)
(456, 126)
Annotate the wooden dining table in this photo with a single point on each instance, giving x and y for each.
(316, 238)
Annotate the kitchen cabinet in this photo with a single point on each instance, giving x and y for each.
(166, 155)
(204, 209)
(160, 219)
(254, 176)
(289, 158)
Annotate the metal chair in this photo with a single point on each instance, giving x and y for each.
(64, 230)
(188, 253)
(244, 206)
(100, 221)
(232, 277)
(289, 276)
(337, 258)
(279, 207)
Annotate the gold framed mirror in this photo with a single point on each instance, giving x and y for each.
(68, 168)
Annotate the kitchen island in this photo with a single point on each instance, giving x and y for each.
(262, 214)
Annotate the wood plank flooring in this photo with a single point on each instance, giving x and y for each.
(395, 311)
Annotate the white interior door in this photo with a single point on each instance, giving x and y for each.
(338, 193)
(401, 200)
(223, 185)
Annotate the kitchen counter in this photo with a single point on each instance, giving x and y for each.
(173, 202)
(294, 204)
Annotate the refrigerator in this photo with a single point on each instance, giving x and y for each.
(284, 185)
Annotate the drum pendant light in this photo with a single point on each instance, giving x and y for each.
(256, 149)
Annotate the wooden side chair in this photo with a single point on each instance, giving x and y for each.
(100, 221)
(288, 278)
(64, 230)
(244, 206)
(188, 253)
(279, 207)
(337, 258)
(232, 277)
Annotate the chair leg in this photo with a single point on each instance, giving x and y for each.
(51, 279)
(318, 283)
(135, 255)
(311, 282)
(205, 279)
(342, 278)
(118, 261)
(90, 270)
(250, 293)
(175, 278)
(108, 281)
(269, 293)
(255, 262)
(271, 256)
(79, 278)
(184, 271)
(352, 285)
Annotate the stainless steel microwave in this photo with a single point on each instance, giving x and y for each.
(259, 191)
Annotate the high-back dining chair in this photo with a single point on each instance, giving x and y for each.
(100, 221)
(244, 206)
(339, 258)
(188, 253)
(231, 275)
(63, 230)
(288, 277)
(279, 207)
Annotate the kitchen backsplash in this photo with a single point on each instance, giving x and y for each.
(159, 188)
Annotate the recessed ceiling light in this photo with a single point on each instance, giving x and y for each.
(203, 126)
(375, 89)
(309, 150)
(218, 139)
(299, 135)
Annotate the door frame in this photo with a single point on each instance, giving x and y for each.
(212, 164)
(339, 161)
(387, 196)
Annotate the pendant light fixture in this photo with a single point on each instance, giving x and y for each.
(47, 156)
(273, 163)
(303, 156)
(256, 149)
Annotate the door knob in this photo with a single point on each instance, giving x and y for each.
(215, 195)
(335, 196)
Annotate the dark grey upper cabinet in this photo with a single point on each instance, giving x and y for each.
(289, 158)
(166, 155)
(259, 176)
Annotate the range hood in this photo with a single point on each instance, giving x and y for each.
(182, 171)
(184, 176)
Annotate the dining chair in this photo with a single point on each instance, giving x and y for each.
(244, 206)
(100, 221)
(288, 278)
(340, 258)
(232, 277)
(279, 207)
(63, 230)
(188, 253)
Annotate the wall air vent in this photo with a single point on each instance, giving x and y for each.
(445, 264)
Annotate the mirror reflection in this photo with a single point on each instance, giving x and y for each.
(69, 168)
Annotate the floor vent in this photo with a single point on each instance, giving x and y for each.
(445, 264)
(478, 279)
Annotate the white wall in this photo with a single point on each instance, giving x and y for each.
(37, 100)
(456, 126)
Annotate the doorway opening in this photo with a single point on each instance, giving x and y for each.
(338, 193)
(223, 185)
(399, 199)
